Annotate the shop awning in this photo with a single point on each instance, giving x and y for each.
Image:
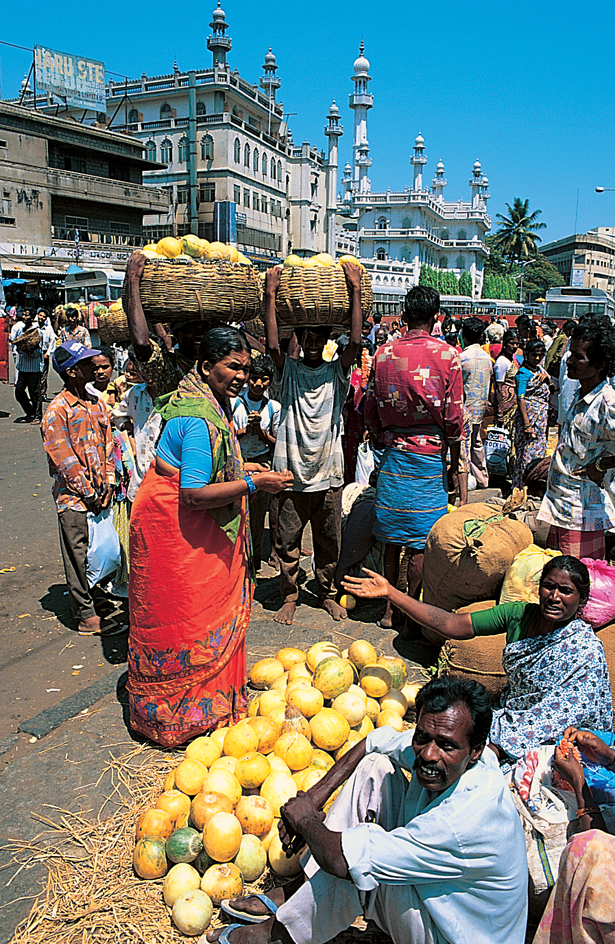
(23, 271)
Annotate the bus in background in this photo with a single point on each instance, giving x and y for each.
(488, 308)
(564, 303)
(96, 285)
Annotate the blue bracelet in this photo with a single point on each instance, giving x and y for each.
(250, 483)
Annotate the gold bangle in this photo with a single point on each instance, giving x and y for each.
(587, 810)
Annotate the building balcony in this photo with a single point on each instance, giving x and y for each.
(68, 184)
(366, 99)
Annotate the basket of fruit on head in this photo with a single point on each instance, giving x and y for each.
(29, 341)
(191, 279)
(313, 291)
(113, 324)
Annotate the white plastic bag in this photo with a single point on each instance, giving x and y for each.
(104, 552)
(365, 464)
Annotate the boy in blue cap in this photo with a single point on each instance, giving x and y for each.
(78, 441)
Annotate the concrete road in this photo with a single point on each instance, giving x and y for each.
(62, 697)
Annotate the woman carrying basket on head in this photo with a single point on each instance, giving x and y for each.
(190, 585)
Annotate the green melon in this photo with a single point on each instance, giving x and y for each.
(184, 844)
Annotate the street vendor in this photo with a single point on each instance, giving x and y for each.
(440, 859)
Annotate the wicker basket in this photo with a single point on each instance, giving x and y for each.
(318, 296)
(200, 290)
(28, 342)
(113, 327)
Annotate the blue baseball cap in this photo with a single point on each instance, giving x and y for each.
(70, 353)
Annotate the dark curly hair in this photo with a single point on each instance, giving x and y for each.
(262, 366)
(576, 570)
(219, 343)
(598, 333)
(442, 693)
(421, 303)
(535, 346)
(472, 330)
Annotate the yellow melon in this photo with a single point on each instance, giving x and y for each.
(169, 247)
(299, 670)
(279, 861)
(395, 701)
(270, 701)
(224, 782)
(351, 706)
(290, 656)
(319, 651)
(157, 824)
(176, 804)
(305, 698)
(222, 836)
(362, 653)
(332, 676)
(398, 669)
(204, 749)
(264, 672)
(205, 805)
(267, 732)
(255, 814)
(375, 680)
(240, 740)
(329, 729)
(226, 762)
(390, 718)
(277, 789)
(252, 770)
(294, 749)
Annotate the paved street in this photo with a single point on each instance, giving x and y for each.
(62, 697)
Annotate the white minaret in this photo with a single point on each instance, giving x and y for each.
(270, 82)
(439, 182)
(360, 102)
(219, 43)
(479, 185)
(417, 160)
(333, 130)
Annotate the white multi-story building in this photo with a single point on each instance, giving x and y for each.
(396, 232)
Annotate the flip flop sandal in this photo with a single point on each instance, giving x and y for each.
(243, 915)
(223, 939)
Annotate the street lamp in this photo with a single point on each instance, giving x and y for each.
(522, 265)
(602, 190)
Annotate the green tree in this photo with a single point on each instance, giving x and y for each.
(517, 237)
(465, 284)
(540, 276)
(496, 264)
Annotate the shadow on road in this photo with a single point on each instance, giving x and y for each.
(56, 601)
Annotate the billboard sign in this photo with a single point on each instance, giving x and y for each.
(577, 278)
(79, 81)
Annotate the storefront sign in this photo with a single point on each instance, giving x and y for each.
(76, 80)
(28, 253)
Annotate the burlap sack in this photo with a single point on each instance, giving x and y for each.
(607, 638)
(468, 553)
(479, 659)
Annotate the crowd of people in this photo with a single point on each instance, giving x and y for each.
(164, 478)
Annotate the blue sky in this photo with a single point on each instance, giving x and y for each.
(526, 89)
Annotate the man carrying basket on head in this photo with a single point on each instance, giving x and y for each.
(309, 444)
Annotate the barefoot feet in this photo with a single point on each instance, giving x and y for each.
(334, 610)
(286, 613)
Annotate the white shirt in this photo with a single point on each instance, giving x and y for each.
(462, 850)
(137, 405)
(252, 446)
(309, 440)
(571, 501)
(500, 367)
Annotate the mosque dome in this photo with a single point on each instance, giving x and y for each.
(219, 13)
(361, 64)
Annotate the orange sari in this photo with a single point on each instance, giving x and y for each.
(190, 602)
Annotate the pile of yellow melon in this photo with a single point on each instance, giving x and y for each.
(215, 826)
(190, 247)
(321, 259)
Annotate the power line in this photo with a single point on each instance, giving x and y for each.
(28, 49)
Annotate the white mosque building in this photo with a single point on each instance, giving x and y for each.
(395, 233)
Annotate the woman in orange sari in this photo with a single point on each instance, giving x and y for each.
(190, 583)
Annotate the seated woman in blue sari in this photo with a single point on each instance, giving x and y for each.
(555, 664)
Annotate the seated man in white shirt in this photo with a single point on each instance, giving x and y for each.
(439, 860)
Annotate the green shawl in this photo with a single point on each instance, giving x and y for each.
(194, 397)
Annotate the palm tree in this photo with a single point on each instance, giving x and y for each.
(517, 237)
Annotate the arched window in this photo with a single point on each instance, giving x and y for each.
(444, 233)
(237, 150)
(201, 108)
(183, 150)
(133, 116)
(460, 262)
(165, 111)
(150, 150)
(279, 171)
(382, 223)
(246, 155)
(443, 263)
(255, 159)
(264, 165)
(406, 223)
(207, 148)
(166, 151)
(272, 169)
(462, 234)
(381, 254)
(405, 255)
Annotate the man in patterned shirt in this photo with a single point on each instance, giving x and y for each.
(579, 502)
(477, 368)
(77, 438)
(413, 410)
(29, 366)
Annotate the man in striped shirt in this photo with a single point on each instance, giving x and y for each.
(30, 367)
